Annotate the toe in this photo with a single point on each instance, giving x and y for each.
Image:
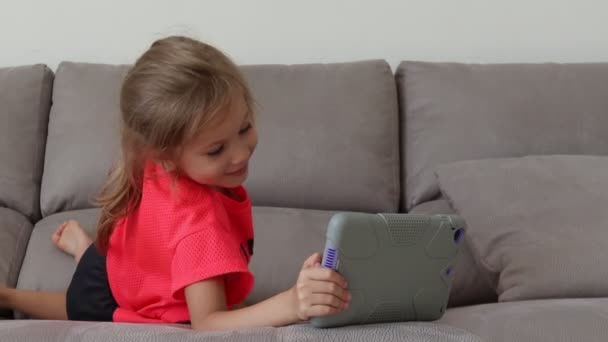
(57, 235)
(62, 227)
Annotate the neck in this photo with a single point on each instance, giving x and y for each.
(226, 191)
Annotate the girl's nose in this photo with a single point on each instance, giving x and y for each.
(242, 154)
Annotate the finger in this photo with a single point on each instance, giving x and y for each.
(326, 274)
(326, 287)
(312, 260)
(326, 299)
(322, 310)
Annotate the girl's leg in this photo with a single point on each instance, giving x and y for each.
(72, 239)
(36, 304)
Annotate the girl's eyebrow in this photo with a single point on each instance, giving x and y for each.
(247, 118)
(219, 142)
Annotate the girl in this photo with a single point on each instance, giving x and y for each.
(175, 233)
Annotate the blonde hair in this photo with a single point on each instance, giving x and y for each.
(176, 87)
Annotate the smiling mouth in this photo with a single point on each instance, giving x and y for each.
(238, 172)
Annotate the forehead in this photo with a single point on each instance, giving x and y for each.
(227, 121)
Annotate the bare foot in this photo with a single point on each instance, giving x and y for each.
(72, 239)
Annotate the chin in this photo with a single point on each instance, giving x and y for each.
(233, 183)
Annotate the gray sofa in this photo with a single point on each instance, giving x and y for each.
(334, 137)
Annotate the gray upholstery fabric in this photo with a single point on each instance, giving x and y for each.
(456, 112)
(328, 137)
(470, 284)
(284, 238)
(83, 135)
(537, 224)
(563, 320)
(25, 99)
(45, 267)
(15, 230)
(56, 331)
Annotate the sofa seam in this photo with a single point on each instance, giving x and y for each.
(42, 149)
(396, 148)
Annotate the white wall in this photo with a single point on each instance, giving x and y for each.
(287, 31)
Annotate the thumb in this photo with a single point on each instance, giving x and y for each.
(312, 261)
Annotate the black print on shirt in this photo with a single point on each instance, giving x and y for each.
(247, 250)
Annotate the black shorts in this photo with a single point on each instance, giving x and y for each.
(89, 297)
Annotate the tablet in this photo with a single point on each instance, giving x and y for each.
(399, 267)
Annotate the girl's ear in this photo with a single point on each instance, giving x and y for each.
(165, 159)
(168, 165)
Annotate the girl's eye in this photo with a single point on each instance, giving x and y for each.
(216, 152)
(244, 130)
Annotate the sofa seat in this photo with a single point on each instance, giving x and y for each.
(32, 330)
(549, 320)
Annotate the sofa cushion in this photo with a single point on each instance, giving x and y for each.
(284, 238)
(470, 284)
(51, 331)
(25, 99)
(537, 224)
(456, 112)
(45, 267)
(539, 321)
(15, 230)
(328, 136)
(83, 135)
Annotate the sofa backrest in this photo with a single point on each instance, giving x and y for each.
(83, 135)
(328, 136)
(453, 112)
(25, 99)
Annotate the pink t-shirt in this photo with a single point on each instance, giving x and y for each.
(181, 233)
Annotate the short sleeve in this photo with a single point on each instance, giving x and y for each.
(209, 253)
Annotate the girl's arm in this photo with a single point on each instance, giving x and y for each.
(318, 292)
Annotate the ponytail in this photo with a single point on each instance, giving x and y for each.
(120, 194)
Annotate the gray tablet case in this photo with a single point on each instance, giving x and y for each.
(399, 267)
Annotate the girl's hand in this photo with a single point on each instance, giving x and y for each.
(319, 291)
